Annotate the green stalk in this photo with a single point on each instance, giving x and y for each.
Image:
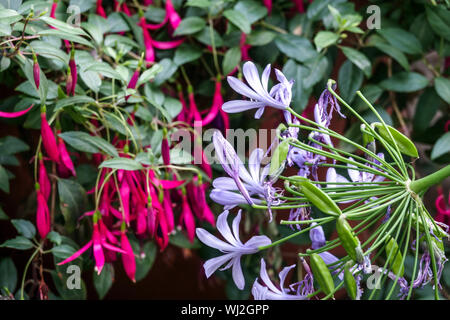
(423, 184)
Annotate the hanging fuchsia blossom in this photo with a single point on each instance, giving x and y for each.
(128, 259)
(43, 222)
(233, 250)
(101, 238)
(53, 11)
(44, 181)
(48, 138)
(73, 71)
(268, 5)
(65, 156)
(165, 148)
(187, 217)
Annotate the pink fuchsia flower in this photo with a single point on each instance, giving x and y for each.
(233, 249)
(174, 18)
(99, 242)
(196, 193)
(44, 181)
(100, 10)
(244, 47)
(43, 222)
(15, 114)
(48, 138)
(36, 71)
(65, 157)
(187, 217)
(128, 258)
(165, 148)
(443, 209)
(216, 105)
(53, 11)
(299, 6)
(268, 5)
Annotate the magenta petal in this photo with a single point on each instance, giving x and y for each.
(77, 254)
(128, 259)
(98, 250)
(65, 157)
(15, 114)
(217, 103)
(44, 182)
(171, 184)
(48, 139)
(167, 44)
(42, 216)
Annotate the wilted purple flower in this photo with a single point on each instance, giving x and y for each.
(233, 250)
(318, 240)
(299, 214)
(256, 90)
(268, 291)
(248, 183)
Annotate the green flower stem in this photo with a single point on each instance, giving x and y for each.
(303, 221)
(362, 184)
(295, 234)
(423, 184)
(416, 257)
(362, 209)
(22, 287)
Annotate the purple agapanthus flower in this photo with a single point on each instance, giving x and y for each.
(257, 91)
(233, 248)
(251, 184)
(266, 290)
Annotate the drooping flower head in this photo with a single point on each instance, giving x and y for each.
(233, 248)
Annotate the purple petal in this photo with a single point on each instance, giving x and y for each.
(265, 278)
(238, 276)
(224, 229)
(236, 106)
(213, 264)
(257, 241)
(212, 241)
(224, 183)
(240, 87)
(254, 163)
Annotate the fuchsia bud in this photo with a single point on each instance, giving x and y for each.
(165, 149)
(73, 71)
(42, 214)
(168, 210)
(53, 10)
(216, 105)
(36, 71)
(48, 138)
(134, 79)
(65, 157)
(128, 259)
(299, 6)
(44, 181)
(244, 48)
(100, 10)
(69, 82)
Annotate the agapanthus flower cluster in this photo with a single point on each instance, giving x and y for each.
(365, 186)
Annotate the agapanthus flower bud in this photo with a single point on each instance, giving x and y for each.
(48, 138)
(36, 71)
(43, 222)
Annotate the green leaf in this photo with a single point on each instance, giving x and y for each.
(72, 198)
(12, 145)
(104, 69)
(231, 60)
(238, 19)
(121, 163)
(204, 37)
(19, 243)
(173, 106)
(405, 82)
(104, 280)
(145, 257)
(442, 86)
(91, 79)
(4, 179)
(441, 147)
(295, 47)
(85, 142)
(179, 239)
(63, 276)
(324, 39)
(350, 79)
(149, 74)
(198, 3)
(168, 69)
(186, 53)
(64, 27)
(317, 68)
(393, 52)
(3, 215)
(252, 10)
(8, 274)
(66, 36)
(180, 156)
(402, 40)
(63, 251)
(24, 228)
(358, 59)
(54, 237)
(405, 145)
(47, 50)
(439, 20)
(189, 25)
(260, 37)
(8, 16)
(318, 198)
(429, 103)
(300, 93)
(72, 101)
